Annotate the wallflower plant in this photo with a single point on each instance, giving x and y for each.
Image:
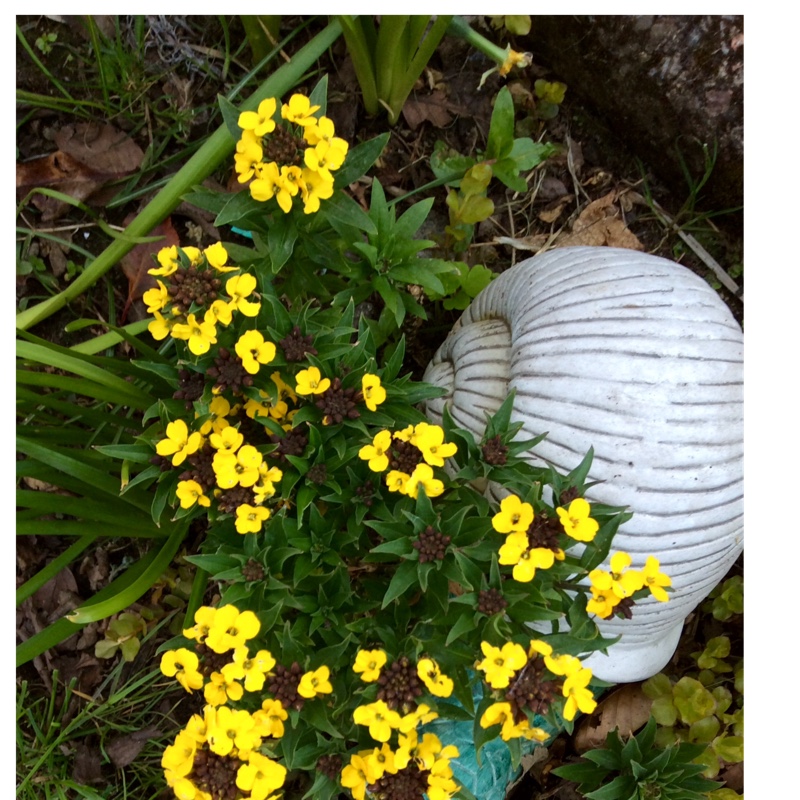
(367, 584)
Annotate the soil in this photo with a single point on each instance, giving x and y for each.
(592, 164)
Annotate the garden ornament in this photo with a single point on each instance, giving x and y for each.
(636, 357)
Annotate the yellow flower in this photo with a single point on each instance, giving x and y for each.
(397, 481)
(260, 776)
(310, 381)
(379, 762)
(289, 184)
(514, 59)
(168, 260)
(179, 756)
(323, 131)
(270, 718)
(156, 299)
(250, 519)
(314, 187)
(203, 620)
(530, 560)
(622, 583)
(182, 664)
(421, 715)
(239, 288)
(374, 393)
(354, 776)
(422, 477)
(562, 665)
(254, 351)
(430, 440)
(253, 670)
(266, 181)
(179, 443)
(191, 492)
(240, 469)
(299, 110)
(380, 718)
(368, 664)
(232, 729)
(602, 602)
(514, 516)
(228, 440)
(218, 311)
(201, 335)
(500, 664)
(501, 714)
(577, 522)
(220, 689)
(160, 327)
(375, 453)
(217, 255)
(260, 122)
(430, 674)
(323, 157)
(231, 629)
(314, 683)
(655, 580)
(578, 696)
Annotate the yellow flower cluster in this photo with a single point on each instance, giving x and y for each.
(295, 156)
(221, 730)
(427, 449)
(234, 462)
(515, 520)
(426, 755)
(504, 666)
(610, 588)
(191, 287)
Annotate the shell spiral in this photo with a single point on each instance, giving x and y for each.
(637, 357)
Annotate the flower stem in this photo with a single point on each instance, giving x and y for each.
(460, 27)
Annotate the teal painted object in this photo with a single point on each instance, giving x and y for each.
(490, 779)
(246, 234)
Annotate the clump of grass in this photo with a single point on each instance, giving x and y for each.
(53, 727)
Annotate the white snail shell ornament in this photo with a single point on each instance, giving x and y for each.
(639, 358)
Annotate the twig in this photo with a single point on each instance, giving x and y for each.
(698, 250)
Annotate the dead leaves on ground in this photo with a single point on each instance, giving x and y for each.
(626, 709)
(89, 156)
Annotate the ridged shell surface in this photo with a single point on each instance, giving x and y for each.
(639, 358)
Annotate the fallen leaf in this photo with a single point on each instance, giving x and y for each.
(137, 261)
(88, 764)
(599, 225)
(554, 210)
(534, 243)
(106, 150)
(432, 107)
(90, 155)
(122, 750)
(627, 709)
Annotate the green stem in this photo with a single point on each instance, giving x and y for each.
(460, 27)
(358, 39)
(215, 150)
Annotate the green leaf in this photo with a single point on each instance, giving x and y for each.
(501, 128)
(729, 748)
(280, 240)
(342, 209)
(360, 159)
(475, 209)
(238, 206)
(230, 115)
(319, 96)
(464, 624)
(403, 578)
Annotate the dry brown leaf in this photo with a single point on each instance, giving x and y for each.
(626, 709)
(122, 750)
(555, 209)
(137, 261)
(104, 149)
(89, 155)
(599, 225)
(432, 107)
